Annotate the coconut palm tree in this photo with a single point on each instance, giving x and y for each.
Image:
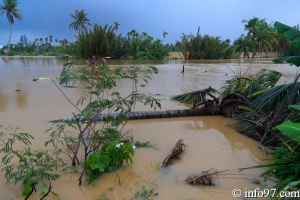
(281, 44)
(50, 38)
(10, 8)
(261, 32)
(244, 44)
(116, 27)
(252, 25)
(265, 36)
(164, 35)
(80, 21)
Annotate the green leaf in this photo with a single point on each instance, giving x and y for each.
(291, 33)
(43, 188)
(290, 129)
(27, 175)
(297, 107)
(294, 36)
(293, 60)
(26, 188)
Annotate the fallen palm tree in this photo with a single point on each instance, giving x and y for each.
(174, 153)
(144, 115)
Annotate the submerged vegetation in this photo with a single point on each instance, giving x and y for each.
(204, 47)
(93, 148)
(265, 111)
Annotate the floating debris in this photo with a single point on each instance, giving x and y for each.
(206, 178)
(44, 78)
(175, 152)
(256, 182)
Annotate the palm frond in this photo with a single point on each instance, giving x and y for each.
(268, 77)
(248, 85)
(272, 97)
(196, 96)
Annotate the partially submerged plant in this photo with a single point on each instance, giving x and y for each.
(109, 158)
(145, 194)
(23, 164)
(82, 135)
(235, 97)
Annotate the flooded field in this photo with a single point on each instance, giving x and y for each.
(30, 105)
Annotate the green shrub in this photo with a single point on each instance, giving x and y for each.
(109, 158)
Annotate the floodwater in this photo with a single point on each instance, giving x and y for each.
(30, 105)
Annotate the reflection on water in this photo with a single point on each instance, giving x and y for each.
(211, 143)
(17, 74)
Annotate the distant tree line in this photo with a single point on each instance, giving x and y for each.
(40, 46)
(103, 41)
(263, 37)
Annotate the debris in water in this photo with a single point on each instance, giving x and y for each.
(206, 178)
(256, 182)
(175, 152)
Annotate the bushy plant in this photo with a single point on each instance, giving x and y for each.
(291, 157)
(100, 41)
(145, 194)
(24, 164)
(109, 158)
(204, 47)
(82, 134)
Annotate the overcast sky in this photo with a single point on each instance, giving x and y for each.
(223, 18)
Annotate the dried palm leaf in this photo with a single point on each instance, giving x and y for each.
(205, 178)
(174, 153)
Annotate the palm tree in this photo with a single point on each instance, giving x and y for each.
(164, 35)
(261, 32)
(10, 7)
(50, 39)
(80, 21)
(252, 25)
(281, 44)
(116, 26)
(265, 36)
(244, 44)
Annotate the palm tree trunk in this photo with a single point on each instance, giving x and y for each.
(150, 114)
(9, 37)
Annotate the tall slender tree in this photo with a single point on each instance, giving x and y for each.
(116, 27)
(81, 22)
(10, 8)
(164, 35)
(261, 32)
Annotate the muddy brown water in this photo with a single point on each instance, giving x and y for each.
(211, 143)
